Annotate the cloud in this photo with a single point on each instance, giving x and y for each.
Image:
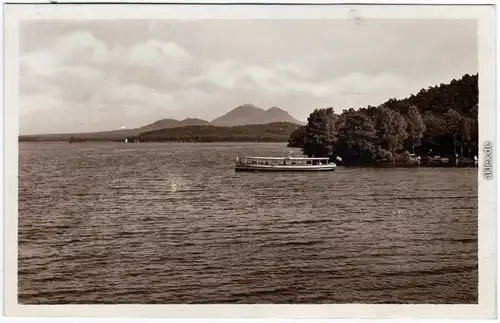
(82, 71)
(232, 75)
(39, 63)
(153, 53)
(108, 72)
(136, 96)
(80, 46)
(78, 71)
(46, 100)
(62, 51)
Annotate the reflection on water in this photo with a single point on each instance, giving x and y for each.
(173, 223)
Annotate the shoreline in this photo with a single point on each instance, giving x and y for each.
(154, 142)
(406, 166)
(342, 165)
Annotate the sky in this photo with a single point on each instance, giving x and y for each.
(83, 76)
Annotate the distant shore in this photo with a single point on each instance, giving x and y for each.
(148, 142)
(436, 126)
(270, 132)
(367, 165)
(462, 163)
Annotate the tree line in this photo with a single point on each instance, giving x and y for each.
(441, 120)
(271, 132)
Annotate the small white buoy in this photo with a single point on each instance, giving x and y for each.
(174, 188)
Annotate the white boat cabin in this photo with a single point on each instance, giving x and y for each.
(289, 161)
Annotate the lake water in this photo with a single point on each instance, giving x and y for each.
(102, 223)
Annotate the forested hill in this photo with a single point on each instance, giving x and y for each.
(243, 115)
(270, 132)
(439, 120)
(460, 95)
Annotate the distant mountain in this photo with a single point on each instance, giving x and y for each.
(172, 123)
(270, 132)
(113, 135)
(117, 135)
(248, 114)
(241, 116)
(193, 122)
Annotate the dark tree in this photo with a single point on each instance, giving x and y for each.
(465, 126)
(442, 118)
(415, 127)
(453, 121)
(319, 139)
(391, 129)
(297, 137)
(355, 138)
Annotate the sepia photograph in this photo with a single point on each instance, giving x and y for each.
(251, 160)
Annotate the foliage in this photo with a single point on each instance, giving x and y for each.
(441, 120)
(297, 137)
(390, 126)
(271, 132)
(355, 137)
(415, 127)
(452, 121)
(319, 138)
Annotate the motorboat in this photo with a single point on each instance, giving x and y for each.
(303, 164)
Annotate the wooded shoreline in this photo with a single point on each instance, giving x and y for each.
(270, 132)
(441, 121)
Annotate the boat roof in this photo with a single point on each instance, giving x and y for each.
(292, 158)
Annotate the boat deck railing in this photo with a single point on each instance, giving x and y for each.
(284, 160)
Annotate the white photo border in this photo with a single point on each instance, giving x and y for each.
(485, 15)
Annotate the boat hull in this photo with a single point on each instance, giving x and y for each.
(284, 168)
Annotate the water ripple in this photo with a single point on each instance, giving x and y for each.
(100, 223)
